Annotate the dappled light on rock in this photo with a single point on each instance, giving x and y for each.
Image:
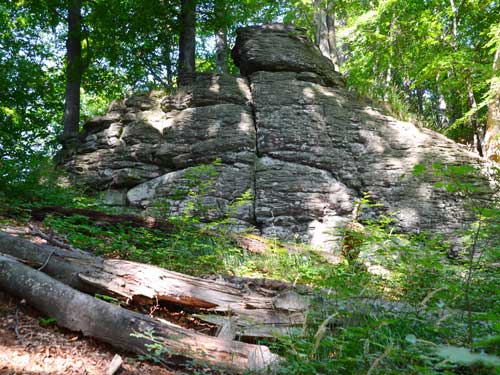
(288, 137)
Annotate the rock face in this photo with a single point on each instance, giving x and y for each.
(285, 149)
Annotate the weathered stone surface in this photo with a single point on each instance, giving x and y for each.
(292, 199)
(140, 132)
(113, 197)
(156, 153)
(203, 134)
(208, 191)
(116, 168)
(209, 89)
(278, 47)
(287, 137)
(322, 127)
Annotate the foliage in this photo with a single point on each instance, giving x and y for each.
(39, 186)
(406, 53)
(413, 270)
(155, 349)
(433, 52)
(47, 321)
(29, 95)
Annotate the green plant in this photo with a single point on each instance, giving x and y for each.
(47, 321)
(155, 350)
(106, 298)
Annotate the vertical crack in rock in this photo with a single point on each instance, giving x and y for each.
(257, 155)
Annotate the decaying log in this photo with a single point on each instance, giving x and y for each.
(98, 216)
(145, 284)
(122, 328)
(250, 242)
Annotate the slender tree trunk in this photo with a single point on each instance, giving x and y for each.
(420, 101)
(332, 35)
(478, 137)
(454, 28)
(221, 47)
(388, 74)
(441, 107)
(187, 42)
(167, 57)
(325, 38)
(74, 71)
(221, 51)
(492, 136)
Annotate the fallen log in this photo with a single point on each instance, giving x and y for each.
(122, 328)
(135, 220)
(143, 284)
(249, 242)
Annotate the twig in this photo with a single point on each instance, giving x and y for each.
(47, 260)
(422, 305)
(49, 238)
(16, 326)
(379, 359)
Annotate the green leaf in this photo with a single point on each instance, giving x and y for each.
(418, 170)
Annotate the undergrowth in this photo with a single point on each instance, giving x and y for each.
(428, 337)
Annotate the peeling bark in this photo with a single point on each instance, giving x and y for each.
(122, 328)
(140, 284)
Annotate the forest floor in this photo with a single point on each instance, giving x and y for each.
(420, 274)
(49, 350)
(45, 349)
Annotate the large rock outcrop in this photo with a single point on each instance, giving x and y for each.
(285, 149)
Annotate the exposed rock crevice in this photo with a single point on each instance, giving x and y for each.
(257, 155)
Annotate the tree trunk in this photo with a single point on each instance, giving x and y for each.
(252, 310)
(167, 52)
(332, 36)
(221, 51)
(474, 124)
(441, 107)
(122, 328)
(420, 101)
(74, 71)
(221, 47)
(492, 137)
(325, 37)
(187, 43)
(388, 72)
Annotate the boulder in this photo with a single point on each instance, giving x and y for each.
(281, 48)
(284, 149)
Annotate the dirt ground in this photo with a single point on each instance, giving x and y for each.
(49, 350)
